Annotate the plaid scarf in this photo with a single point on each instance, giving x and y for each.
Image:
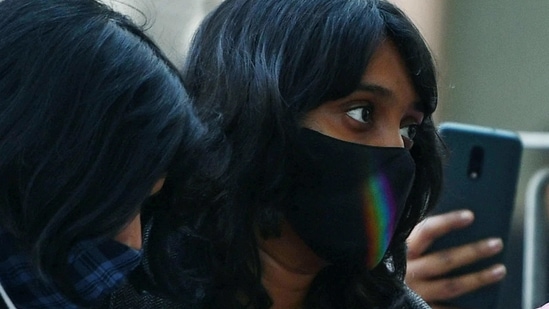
(95, 268)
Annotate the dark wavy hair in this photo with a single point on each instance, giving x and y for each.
(92, 114)
(255, 68)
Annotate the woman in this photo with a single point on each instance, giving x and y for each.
(91, 117)
(327, 107)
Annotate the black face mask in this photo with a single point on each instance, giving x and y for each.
(348, 197)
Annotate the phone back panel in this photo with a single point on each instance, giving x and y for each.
(481, 174)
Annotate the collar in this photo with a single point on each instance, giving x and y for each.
(94, 269)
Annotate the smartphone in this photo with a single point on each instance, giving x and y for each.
(481, 174)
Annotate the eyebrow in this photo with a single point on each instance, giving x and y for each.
(377, 89)
(386, 92)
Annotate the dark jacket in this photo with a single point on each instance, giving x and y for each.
(129, 298)
(133, 295)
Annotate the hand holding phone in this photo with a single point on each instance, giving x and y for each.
(481, 174)
(427, 274)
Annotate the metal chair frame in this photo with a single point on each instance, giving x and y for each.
(535, 269)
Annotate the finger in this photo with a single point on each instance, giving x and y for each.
(130, 235)
(448, 288)
(431, 228)
(441, 262)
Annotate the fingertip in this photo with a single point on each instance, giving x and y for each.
(494, 274)
(467, 215)
(464, 217)
(498, 271)
(494, 244)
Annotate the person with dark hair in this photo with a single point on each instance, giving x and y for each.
(326, 106)
(93, 119)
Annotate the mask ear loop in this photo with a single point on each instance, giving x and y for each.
(6, 298)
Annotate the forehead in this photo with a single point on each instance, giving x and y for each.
(387, 70)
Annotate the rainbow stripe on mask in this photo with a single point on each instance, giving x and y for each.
(379, 209)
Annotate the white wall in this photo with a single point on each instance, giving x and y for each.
(494, 71)
(171, 23)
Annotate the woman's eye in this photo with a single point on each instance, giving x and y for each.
(362, 114)
(408, 133)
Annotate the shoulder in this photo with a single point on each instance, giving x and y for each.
(163, 280)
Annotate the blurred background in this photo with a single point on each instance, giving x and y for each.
(492, 58)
